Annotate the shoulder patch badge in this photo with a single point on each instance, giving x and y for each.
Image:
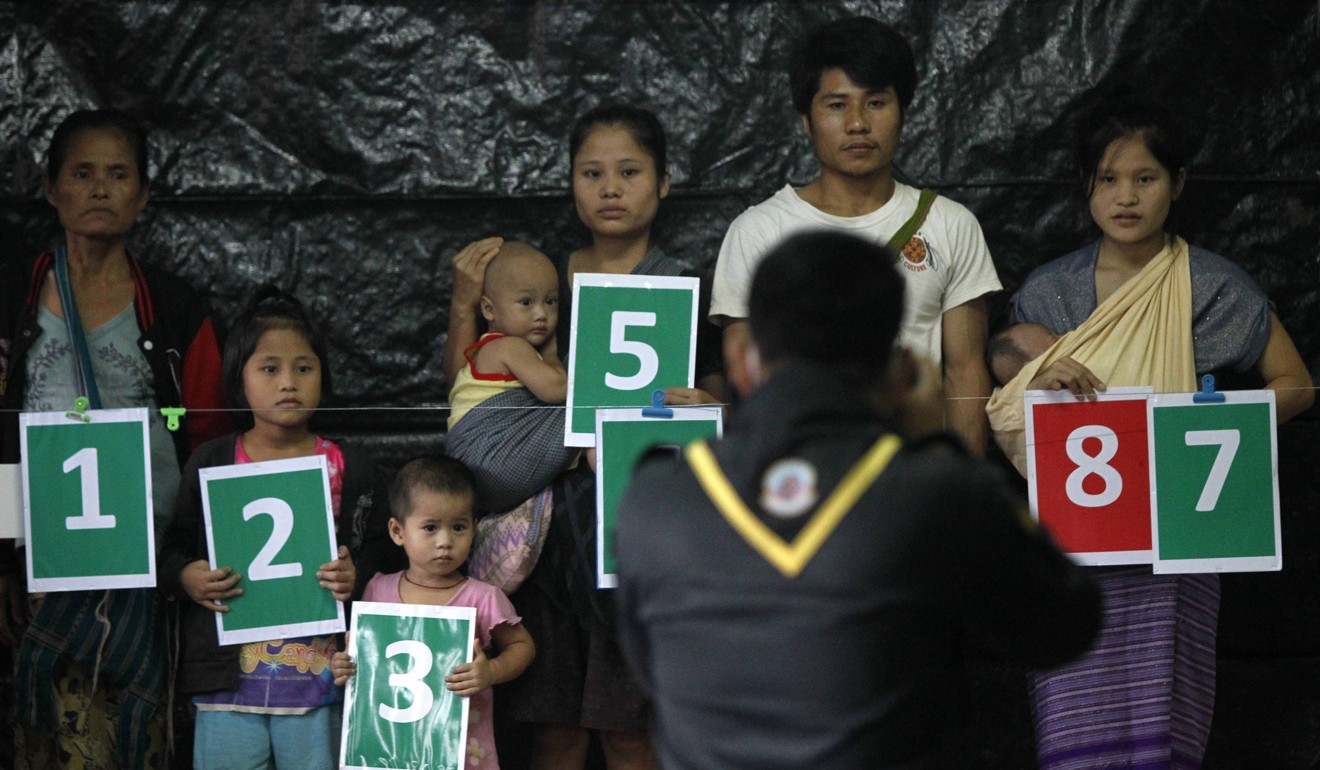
(788, 488)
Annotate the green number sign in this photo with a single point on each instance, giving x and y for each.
(630, 335)
(397, 712)
(1215, 483)
(87, 500)
(622, 436)
(272, 523)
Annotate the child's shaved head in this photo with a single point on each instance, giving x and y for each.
(515, 260)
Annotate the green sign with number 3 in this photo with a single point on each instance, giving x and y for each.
(87, 500)
(1215, 483)
(631, 334)
(397, 712)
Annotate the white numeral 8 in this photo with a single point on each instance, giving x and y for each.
(1093, 465)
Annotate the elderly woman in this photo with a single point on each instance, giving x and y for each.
(90, 319)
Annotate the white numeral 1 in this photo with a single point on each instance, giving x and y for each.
(282, 517)
(90, 485)
(410, 680)
(1228, 441)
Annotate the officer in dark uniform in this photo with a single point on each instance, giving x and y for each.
(802, 594)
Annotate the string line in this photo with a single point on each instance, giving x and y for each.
(446, 407)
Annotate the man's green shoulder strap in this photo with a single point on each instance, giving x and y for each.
(910, 227)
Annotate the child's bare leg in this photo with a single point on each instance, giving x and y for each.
(559, 747)
(627, 749)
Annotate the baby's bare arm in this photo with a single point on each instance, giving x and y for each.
(545, 378)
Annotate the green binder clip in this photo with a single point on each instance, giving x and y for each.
(79, 412)
(172, 415)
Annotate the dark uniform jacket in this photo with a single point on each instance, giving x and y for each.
(857, 661)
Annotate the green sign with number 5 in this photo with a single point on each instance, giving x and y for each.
(631, 334)
(87, 500)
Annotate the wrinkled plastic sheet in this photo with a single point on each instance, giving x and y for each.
(346, 149)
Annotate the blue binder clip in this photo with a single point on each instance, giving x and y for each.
(1208, 395)
(79, 412)
(172, 415)
(657, 407)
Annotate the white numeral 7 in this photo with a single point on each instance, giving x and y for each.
(1228, 441)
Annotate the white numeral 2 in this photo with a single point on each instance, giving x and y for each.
(90, 485)
(1228, 441)
(410, 680)
(282, 516)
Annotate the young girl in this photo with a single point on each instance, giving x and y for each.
(273, 700)
(1143, 308)
(517, 449)
(431, 500)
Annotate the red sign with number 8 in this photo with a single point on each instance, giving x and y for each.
(1090, 477)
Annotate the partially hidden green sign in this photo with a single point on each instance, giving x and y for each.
(630, 335)
(87, 500)
(398, 715)
(622, 437)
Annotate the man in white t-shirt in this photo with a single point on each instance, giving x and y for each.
(852, 80)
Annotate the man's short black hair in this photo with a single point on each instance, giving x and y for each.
(831, 298)
(869, 51)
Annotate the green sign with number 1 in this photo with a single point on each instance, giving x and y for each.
(87, 500)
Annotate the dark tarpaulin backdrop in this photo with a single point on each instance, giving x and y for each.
(346, 149)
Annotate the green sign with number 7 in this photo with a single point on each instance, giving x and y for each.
(87, 500)
(273, 524)
(1215, 483)
(631, 334)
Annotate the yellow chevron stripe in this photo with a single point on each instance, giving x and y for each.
(789, 559)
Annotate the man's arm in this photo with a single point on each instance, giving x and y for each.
(737, 340)
(966, 380)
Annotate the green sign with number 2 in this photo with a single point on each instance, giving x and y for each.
(272, 523)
